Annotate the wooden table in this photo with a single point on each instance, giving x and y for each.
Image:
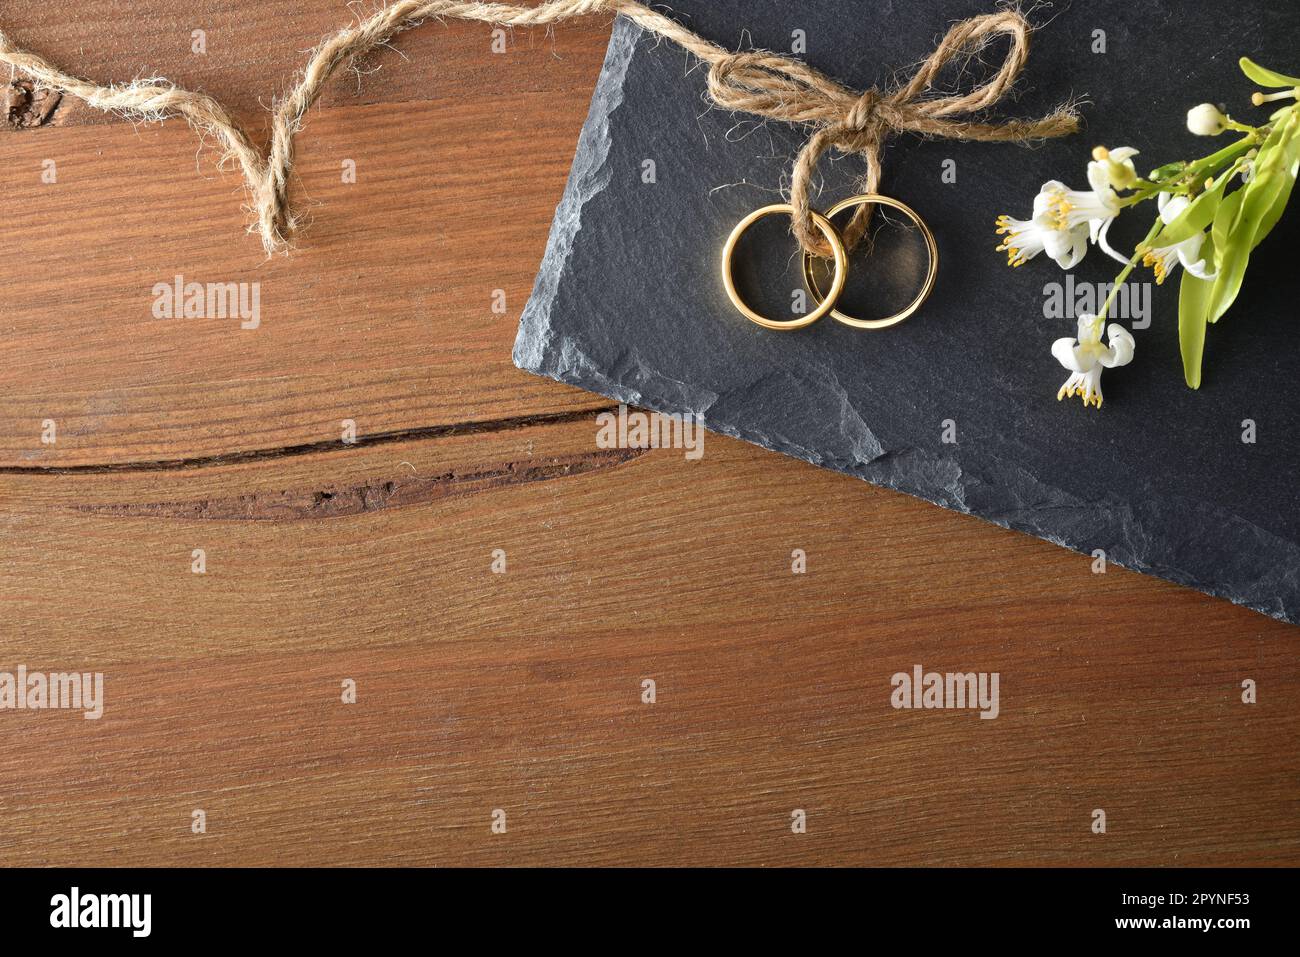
(519, 692)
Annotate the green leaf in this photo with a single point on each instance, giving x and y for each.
(1276, 135)
(1195, 217)
(1224, 220)
(1266, 77)
(1232, 264)
(1270, 189)
(1257, 201)
(1275, 212)
(1169, 169)
(1193, 310)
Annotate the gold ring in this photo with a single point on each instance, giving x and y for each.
(837, 283)
(833, 296)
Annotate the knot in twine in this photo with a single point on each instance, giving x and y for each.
(780, 88)
(764, 84)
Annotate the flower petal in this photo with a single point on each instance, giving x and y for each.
(1101, 241)
(1188, 251)
(1098, 176)
(1067, 247)
(1199, 269)
(1173, 207)
(1067, 354)
(1121, 346)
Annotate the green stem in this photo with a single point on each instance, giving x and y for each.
(1127, 271)
(1191, 177)
(1197, 171)
(1145, 191)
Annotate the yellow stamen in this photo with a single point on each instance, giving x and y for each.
(1259, 99)
(1061, 209)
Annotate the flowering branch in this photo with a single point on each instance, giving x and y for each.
(1199, 225)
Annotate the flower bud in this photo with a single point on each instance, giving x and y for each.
(1206, 120)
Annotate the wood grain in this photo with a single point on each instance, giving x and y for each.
(519, 691)
(384, 314)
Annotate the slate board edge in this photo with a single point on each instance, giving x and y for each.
(540, 350)
(589, 175)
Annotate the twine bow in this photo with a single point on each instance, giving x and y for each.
(760, 83)
(781, 88)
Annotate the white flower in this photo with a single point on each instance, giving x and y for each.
(1083, 207)
(1164, 259)
(1112, 168)
(1046, 231)
(1097, 207)
(1206, 120)
(1085, 357)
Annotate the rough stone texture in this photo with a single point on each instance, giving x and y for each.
(628, 302)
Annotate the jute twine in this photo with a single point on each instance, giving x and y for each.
(760, 83)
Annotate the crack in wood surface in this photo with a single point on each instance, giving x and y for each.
(309, 448)
(26, 106)
(333, 501)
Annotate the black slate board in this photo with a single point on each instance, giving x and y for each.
(628, 302)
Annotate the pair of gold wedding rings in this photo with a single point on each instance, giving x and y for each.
(826, 303)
